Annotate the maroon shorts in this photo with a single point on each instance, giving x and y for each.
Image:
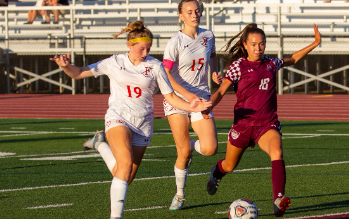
(242, 136)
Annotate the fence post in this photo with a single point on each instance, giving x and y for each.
(84, 64)
(305, 77)
(73, 80)
(318, 83)
(280, 53)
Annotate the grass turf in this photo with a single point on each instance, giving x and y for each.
(45, 174)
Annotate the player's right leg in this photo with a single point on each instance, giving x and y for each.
(120, 141)
(179, 126)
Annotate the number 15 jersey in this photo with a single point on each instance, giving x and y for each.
(188, 60)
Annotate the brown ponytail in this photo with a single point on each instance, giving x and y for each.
(238, 50)
(136, 29)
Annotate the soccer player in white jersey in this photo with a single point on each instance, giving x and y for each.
(187, 58)
(253, 76)
(135, 77)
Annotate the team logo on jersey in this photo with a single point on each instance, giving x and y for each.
(147, 71)
(269, 68)
(204, 41)
(234, 134)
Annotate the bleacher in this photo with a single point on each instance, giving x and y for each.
(89, 25)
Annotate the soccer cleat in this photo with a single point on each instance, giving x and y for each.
(91, 142)
(177, 202)
(280, 206)
(212, 183)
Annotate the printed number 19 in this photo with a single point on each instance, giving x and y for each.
(200, 62)
(136, 90)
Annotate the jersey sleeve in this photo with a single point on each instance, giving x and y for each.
(101, 67)
(234, 73)
(163, 81)
(276, 61)
(170, 54)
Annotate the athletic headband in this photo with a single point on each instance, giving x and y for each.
(141, 39)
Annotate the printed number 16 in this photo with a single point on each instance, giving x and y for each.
(137, 91)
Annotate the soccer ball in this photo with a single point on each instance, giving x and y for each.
(243, 209)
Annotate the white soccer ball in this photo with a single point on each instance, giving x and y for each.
(243, 209)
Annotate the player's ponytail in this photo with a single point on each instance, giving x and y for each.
(238, 50)
(136, 30)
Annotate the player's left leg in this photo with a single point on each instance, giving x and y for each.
(271, 143)
(232, 159)
(205, 129)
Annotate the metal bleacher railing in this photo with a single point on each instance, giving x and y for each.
(88, 26)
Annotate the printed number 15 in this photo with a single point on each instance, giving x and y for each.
(136, 90)
(200, 62)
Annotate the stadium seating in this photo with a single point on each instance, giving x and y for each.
(93, 20)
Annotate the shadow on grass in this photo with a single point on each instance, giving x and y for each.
(203, 205)
(317, 207)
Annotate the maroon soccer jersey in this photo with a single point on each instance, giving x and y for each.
(254, 83)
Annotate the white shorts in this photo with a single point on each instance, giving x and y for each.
(193, 116)
(137, 139)
(39, 3)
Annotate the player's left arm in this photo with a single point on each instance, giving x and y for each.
(216, 77)
(295, 57)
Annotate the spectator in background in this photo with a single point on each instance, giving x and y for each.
(33, 13)
(56, 12)
(3, 2)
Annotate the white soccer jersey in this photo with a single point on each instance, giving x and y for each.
(132, 89)
(190, 58)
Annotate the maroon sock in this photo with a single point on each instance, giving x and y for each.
(219, 172)
(278, 178)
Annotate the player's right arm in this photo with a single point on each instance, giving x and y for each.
(72, 71)
(178, 88)
(218, 95)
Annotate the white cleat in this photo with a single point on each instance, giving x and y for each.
(91, 142)
(177, 202)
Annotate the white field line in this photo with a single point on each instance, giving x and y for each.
(49, 206)
(319, 216)
(148, 208)
(165, 177)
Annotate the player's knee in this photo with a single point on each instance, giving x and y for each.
(276, 154)
(123, 168)
(209, 148)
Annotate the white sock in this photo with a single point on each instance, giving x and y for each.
(195, 145)
(108, 157)
(181, 178)
(118, 190)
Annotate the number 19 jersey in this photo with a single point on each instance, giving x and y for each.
(132, 89)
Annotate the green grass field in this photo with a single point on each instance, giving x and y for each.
(45, 174)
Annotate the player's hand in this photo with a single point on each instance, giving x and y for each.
(61, 60)
(217, 77)
(198, 105)
(206, 113)
(317, 34)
